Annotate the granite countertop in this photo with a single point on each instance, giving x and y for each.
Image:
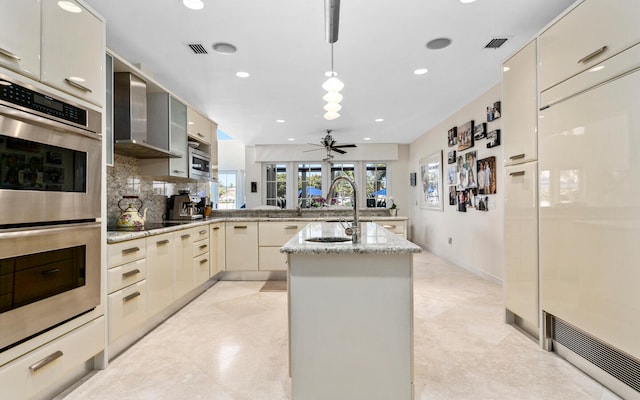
(116, 236)
(374, 239)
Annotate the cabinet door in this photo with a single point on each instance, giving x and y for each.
(160, 256)
(127, 309)
(73, 51)
(184, 261)
(178, 139)
(20, 36)
(201, 268)
(270, 259)
(198, 127)
(275, 233)
(521, 241)
(241, 246)
(589, 34)
(217, 246)
(108, 110)
(519, 107)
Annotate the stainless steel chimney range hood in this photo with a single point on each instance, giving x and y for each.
(130, 119)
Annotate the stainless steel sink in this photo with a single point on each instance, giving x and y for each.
(329, 239)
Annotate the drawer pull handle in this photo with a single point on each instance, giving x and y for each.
(131, 296)
(47, 360)
(204, 261)
(187, 236)
(517, 173)
(200, 134)
(177, 171)
(215, 228)
(240, 227)
(202, 232)
(50, 271)
(517, 157)
(130, 273)
(9, 54)
(389, 226)
(77, 85)
(204, 246)
(291, 227)
(130, 250)
(593, 55)
(161, 242)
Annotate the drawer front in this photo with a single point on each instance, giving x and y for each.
(125, 275)
(270, 259)
(38, 372)
(396, 227)
(589, 34)
(125, 252)
(127, 309)
(201, 268)
(201, 233)
(201, 247)
(278, 233)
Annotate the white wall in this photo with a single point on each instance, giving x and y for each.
(477, 236)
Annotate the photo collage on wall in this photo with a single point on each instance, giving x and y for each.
(470, 180)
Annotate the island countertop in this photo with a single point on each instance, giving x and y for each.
(374, 239)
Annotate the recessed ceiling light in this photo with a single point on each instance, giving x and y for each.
(291, 139)
(224, 48)
(241, 74)
(380, 120)
(367, 138)
(439, 43)
(467, 1)
(193, 4)
(280, 121)
(505, 69)
(421, 71)
(597, 68)
(70, 7)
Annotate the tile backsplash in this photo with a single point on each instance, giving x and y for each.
(123, 179)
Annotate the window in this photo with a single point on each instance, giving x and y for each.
(376, 181)
(343, 191)
(310, 185)
(227, 186)
(276, 185)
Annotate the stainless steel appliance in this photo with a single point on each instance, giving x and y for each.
(50, 190)
(182, 207)
(199, 164)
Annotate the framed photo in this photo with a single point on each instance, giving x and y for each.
(453, 194)
(494, 138)
(465, 136)
(452, 136)
(452, 172)
(431, 178)
(451, 157)
(469, 164)
(487, 176)
(461, 200)
(480, 131)
(483, 203)
(494, 112)
(412, 178)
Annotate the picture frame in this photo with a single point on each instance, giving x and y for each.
(453, 194)
(470, 164)
(493, 138)
(412, 178)
(431, 178)
(452, 172)
(480, 131)
(465, 136)
(494, 111)
(451, 157)
(452, 136)
(487, 176)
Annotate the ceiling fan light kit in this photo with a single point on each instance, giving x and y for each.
(332, 85)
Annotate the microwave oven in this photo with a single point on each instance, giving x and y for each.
(199, 165)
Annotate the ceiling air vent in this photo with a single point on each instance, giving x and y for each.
(197, 48)
(495, 43)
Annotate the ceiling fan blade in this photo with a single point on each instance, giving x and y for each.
(338, 151)
(344, 145)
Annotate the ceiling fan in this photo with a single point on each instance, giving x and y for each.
(330, 144)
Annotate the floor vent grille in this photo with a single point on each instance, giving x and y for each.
(609, 359)
(197, 48)
(495, 43)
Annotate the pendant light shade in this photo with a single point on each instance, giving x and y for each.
(332, 97)
(331, 115)
(333, 85)
(332, 107)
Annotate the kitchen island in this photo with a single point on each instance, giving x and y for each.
(350, 314)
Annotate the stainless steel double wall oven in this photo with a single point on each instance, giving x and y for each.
(50, 196)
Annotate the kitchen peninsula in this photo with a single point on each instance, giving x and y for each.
(350, 314)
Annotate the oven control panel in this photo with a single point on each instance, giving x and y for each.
(32, 100)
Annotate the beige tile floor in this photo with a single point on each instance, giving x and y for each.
(231, 344)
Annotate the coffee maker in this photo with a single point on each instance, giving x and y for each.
(181, 207)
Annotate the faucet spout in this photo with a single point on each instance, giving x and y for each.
(355, 227)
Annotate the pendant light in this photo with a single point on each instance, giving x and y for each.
(333, 85)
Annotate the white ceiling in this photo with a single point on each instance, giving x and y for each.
(282, 44)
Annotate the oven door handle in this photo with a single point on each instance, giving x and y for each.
(21, 233)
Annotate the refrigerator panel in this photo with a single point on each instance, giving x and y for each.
(589, 193)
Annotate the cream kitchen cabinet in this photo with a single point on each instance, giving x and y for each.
(160, 272)
(126, 252)
(217, 248)
(184, 276)
(592, 32)
(20, 37)
(198, 126)
(128, 309)
(519, 106)
(73, 51)
(48, 369)
(399, 227)
(201, 255)
(273, 235)
(241, 243)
